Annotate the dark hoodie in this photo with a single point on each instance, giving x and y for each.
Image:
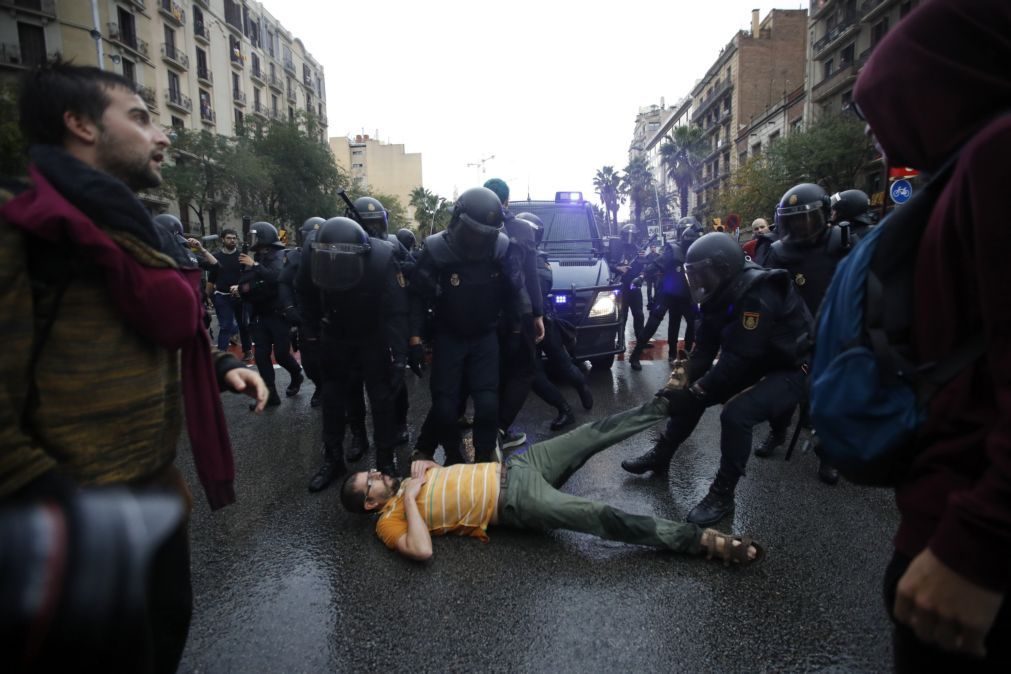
(937, 83)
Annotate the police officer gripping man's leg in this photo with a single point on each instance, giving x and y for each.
(465, 274)
(259, 286)
(354, 287)
(758, 324)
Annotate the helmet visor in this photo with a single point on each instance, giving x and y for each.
(704, 280)
(375, 224)
(801, 223)
(473, 240)
(337, 266)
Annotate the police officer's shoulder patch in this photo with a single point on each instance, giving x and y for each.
(401, 280)
(749, 319)
(454, 279)
(800, 279)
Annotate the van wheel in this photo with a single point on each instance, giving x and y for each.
(602, 362)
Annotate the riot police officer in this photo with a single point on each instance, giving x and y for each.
(370, 213)
(260, 287)
(353, 288)
(465, 274)
(810, 248)
(672, 297)
(308, 335)
(852, 208)
(407, 239)
(631, 269)
(760, 327)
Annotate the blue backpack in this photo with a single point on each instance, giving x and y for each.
(868, 397)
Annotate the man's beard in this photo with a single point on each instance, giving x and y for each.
(120, 162)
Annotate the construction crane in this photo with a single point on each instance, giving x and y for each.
(480, 164)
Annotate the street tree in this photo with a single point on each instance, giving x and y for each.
(608, 186)
(681, 154)
(13, 151)
(431, 211)
(200, 173)
(637, 184)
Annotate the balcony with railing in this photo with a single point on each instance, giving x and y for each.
(843, 75)
(237, 58)
(274, 82)
(128, 40)
(719, 89)
(871, 9)
(291, 95)
(45, 8)
(201, 32)
(148, 96)
(307, 79)
(205, 76)
(847, 24)
(239, 97)
(206, 113)
(140, 4)
(289, 65)
(172, 11)
(178, 100)
(233, 17)
(261, 110)
(256, 74)
(173, 55)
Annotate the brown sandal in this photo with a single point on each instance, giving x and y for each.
(718, 545)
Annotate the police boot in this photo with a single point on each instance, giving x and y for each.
(772, 441)
(295, 385)
(359, 443)
(585, 396)
(386, 461)
(633, 358)
(564, 418)
(656, 459)
(716, 505)
(827, 472)
(273, 400)
(332, 468)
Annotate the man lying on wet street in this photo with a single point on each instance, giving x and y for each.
(523, 493)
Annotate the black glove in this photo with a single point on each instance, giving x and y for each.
(681, 401)
(416, 358)
(397, 376)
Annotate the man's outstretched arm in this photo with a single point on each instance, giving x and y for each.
(417, 542)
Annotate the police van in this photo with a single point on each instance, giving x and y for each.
(582, 293)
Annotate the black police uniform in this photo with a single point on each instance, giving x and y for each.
(518, 348)
(557, 362)
(760, 328)
(673, 298)
(363, 329)
(308, 333)
(469, 297)
(631, 293)
(260, 287)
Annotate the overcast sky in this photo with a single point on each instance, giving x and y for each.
(550, 88)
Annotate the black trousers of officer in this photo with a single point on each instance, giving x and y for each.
(517, 369)
(271, 332)
(339, 359)
(309, 344)
(557, 365)
(356, 403)
(466, 364)
(631, 302)
(772, 395)
(677, 307)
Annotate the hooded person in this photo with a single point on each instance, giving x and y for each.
(938, 87)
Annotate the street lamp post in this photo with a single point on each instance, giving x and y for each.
(435, 212)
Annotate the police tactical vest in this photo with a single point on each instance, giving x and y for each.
(811, 268)
(358, 312)
(470, 295)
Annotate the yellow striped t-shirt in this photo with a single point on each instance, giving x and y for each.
(460, 499)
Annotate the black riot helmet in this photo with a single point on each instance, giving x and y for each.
(371, 215)
(689, 235)
(689, 222)
(711, 263)
(339, 253)
(851, 206)
(170, 223)
(628, 234)
(262, 235)
(803, 214)
(536, 223)
(308, 227)
(407, 239)
(476, 222)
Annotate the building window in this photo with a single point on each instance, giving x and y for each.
(177, 123)
(238, 120)
(32, 41)
(774, 136)
(170, 41)
(846, 100)
(356, 153)
(756, 149)
(742, 158)
(291, 114)
(129, 70)
(273, 105)
(256, 98)
(828, 66)
(846, 58)
(173, 86)
(127, 27)
(878, 31)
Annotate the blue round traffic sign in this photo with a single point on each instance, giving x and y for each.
(901, 191)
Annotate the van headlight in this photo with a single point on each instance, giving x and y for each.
(604, 306)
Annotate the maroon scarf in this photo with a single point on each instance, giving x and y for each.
(161, 304)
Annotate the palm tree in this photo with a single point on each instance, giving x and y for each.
(608, 186)
(638, 184)
(682, 155)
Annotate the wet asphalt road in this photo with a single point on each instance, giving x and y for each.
(286, 581)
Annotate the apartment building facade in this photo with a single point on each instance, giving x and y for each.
(381, 167)
(199, 64)
(654, 126)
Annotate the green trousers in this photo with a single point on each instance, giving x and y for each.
(533, 501)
